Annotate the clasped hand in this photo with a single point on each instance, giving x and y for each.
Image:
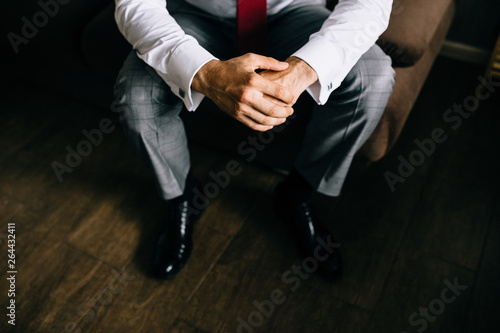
(258, 100)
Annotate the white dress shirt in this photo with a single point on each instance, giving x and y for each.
(351, 29)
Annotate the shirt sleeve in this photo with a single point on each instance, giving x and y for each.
(163, 45)
(351, 29)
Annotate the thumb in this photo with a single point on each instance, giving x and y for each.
(262, 62)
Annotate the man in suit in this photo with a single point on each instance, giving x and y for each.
(284, 49)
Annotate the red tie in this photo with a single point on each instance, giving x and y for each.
(252, 26)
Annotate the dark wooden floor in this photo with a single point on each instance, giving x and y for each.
(84, 244)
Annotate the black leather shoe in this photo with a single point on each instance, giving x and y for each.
(175, 241)
(313, 239)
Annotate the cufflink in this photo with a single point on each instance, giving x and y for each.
(330, 86)
(182, 93)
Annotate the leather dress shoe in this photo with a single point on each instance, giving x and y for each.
(175, 241)
(313, 239)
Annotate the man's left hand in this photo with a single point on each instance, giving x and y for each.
(297, 77)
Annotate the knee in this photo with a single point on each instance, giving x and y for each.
(386, 74)
(142, 89)
(140, 95)
(378, 75)
(129, 103)
(372, 74)
(137, 83)
(131, 90)
(377, 85)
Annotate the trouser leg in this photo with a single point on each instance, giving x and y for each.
(340, 127)
(149, 111)
(337, 129)
(149, 114)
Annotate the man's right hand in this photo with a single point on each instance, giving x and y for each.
(245, 95)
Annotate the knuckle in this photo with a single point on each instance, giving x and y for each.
(239, 111)
(273, 111)
(280, 92)
(245, 96)
(247, 57)
(263, 120)
(283, 94)
(252, 80)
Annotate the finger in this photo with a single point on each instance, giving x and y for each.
(254, 125)
(273, 89)
(275, 101)
(257, 100)
(262, 62)
(266, 108)
(277, 91)
(263, 119)
(272, 110)
(257, 116)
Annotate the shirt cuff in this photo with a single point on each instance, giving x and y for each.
(181, 68)
(326, 59)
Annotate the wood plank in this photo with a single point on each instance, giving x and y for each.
(253, 267)
(113, 230)
(324, 314)
(184, 327)
(129, 212)
(152, 305)
(32, 227)
(54, 283)
(458, 201)
(369, 223)
(157, 303)
(41, 138)
(447, 232)
(417, 281)
(52, 276)
(9, 208)
(484, 308)
(306, 310)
